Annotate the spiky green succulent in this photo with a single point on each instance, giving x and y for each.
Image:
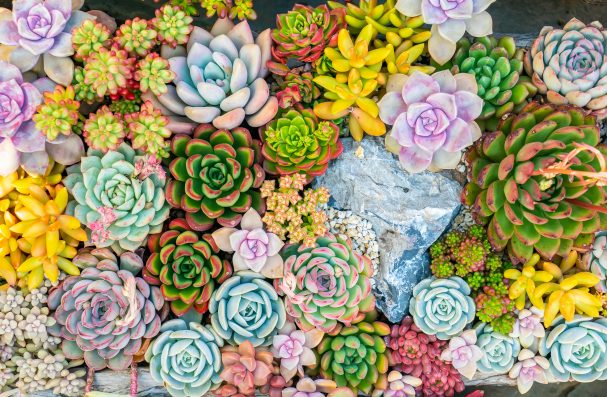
(136, 36)
(107, 71)
(88, 38)
(58, 113)
(533, 182)
(148, 130)
(153, 74)
(103, 130)
(173, 25)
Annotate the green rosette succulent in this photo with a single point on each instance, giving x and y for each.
(173, 25)
(153, 74)
(148, 130)
(356, 357)
(247, 308)
(500, 351)
(89, 38)
(186, 359)
(296, 142)
(532, 182)
(104, 130)
(136, 36)
(216, 176)
(185, 266)
(118, 196)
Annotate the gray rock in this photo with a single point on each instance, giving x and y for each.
(409, 212)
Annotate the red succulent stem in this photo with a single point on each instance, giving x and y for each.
(588, 206)
(134, 385)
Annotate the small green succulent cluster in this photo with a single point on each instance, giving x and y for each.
(460, 253)
(496, 308)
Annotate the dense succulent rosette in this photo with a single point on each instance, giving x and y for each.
(216, 174)
(245, 368)
(432, 118)
(499, 351)
(293, 347)
(104, 314)
(569, 65)
(185, 266)
(326, 285)
(528, 327)
(529, 369)
(463, 353)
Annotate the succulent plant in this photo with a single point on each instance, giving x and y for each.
(528, 327)
(216, 174)
(216, 7)
(529, 369)
(307, 387)
(57, 113)
(41, 30)
(497, 66)
(527, 183)
(104, 313)
(568, 65)
(440, 378)
(136, 36)
(244, 369)
(326, 285)
(84, 92)
(296, 142)
(294, 86)
(173, 25)
(428, 132)
(399, 385)
(88, 38)
(106, 71)
(356, 356)
(525, 282)
(495, 307)
(442, 307)
(275, 385)
(148, 131)
(153, 73)
(234, 9)
(596, 261)
(304, 32)
(186, 358)
(294, 349)
(104, 130)
(246, 308)
(221, 78)
(119, 197)
(254, 249)
(186, 267)
(499, 351)
(463, 353)
(450, 21)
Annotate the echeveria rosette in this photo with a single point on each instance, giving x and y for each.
(43, 29)
(432, 119)
(569, 65)
(442, 307)
(220, 79)
(499, 351)
(463, 353)
(247, 308)
(326, 285)
(529, 369)
(293, 347)
(119, 196)
(512, 188)
(596, 260)
(186, 266)
(576, 349)
(297, 142)
(450, 20)
(528, 327)
(216, 174)
(104, 314)
(186, 358)
(245, 368)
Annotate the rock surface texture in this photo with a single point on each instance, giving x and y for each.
(408, 213)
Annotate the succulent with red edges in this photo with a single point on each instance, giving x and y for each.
(216, 176)
(537, 182)
(185, 266)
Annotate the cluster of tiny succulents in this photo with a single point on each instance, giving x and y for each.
(159, 203)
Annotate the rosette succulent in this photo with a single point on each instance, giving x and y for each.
(58, 113)
(221, 78)
(185, 358)
(294, 86)
(148, 131)
(442, 307)
(246, 308)
(88, 38)
(244, 369)
(304, 32)
(307, 387)
(296, 142)
(326, 285)
(399, 385)
(531, 182)
(499, 351)
(173, 25)
(432, 118)
(108, 71)
(42, 29)
(136, 36)
(529, 369)
(185, 266)
(104, 313)
(597, 261)
(569, 65)
(103, 130)
(119, 196)
(450, 20)
(153, 73)
(294, 349)
(216, 174)
(356, 356)
(528, 327)
(463, 353)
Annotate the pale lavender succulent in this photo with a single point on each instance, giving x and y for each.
(450, 20)
(293, 348)
(463, 353)
(529, 369)
(529, 327)
(432, 118)
(42, 29)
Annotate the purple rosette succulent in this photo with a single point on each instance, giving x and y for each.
(432, 118)
(41, 29)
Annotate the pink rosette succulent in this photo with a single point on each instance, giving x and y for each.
(294, 349)
(529, 369)
(463, 353)
(432, 118)
(529, 327)
(254, 248)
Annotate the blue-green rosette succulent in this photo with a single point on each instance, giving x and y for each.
(577, 349)
(500, 352)
(442, 307)
(245, 307)
(118, 196)
(186, 358)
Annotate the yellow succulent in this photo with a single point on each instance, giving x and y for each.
(525, 281)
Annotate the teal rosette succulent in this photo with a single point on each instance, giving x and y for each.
(442, 307)
(186, 358)
(500, 352)
(119, 196)
(247, 308)
(576, 349)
